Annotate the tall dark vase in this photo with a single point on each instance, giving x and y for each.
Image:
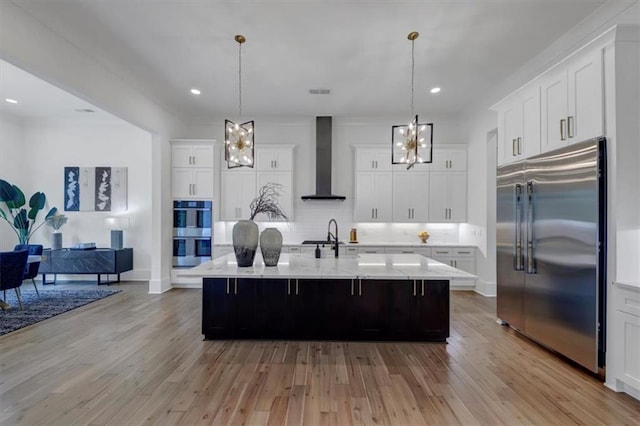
(245, 242)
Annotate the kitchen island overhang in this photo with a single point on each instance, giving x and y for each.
(363, 297)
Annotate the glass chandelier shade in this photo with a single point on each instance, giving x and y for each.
(412, 143)
(239, 137)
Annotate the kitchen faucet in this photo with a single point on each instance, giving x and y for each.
(335, 236)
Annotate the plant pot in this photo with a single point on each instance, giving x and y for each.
(56, 240)
(271, 246)
(245, 242)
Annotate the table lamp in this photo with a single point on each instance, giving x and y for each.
(116, 224)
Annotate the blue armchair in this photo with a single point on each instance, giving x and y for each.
(12, 265)
(31, 270)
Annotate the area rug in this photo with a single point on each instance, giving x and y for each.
(49, 304)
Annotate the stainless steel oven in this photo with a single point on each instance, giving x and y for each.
(192, 232)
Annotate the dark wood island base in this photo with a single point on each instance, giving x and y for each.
(325, 309)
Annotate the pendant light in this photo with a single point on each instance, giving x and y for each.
(238, 137)
(412, 143)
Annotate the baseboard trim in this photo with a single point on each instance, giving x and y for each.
(187, 285)
(159, 286)
(485, 288)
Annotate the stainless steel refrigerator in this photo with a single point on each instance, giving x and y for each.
(551, 250)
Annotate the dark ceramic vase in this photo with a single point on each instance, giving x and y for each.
(245, 242)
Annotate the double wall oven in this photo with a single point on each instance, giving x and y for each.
(192, 232)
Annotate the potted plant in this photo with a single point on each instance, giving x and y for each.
(21, 220)
(245, 232)
(56, 221)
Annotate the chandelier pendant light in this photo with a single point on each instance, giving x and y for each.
(239, 137)
(412, 143)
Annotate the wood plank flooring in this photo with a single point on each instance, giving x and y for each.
(136, 358)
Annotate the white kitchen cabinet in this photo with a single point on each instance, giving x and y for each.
(371, 250)
(192, 174)
(191, 153)
(285, 200)
(373, 195)
(519, 125)
(192, 183)
(410, 196)
(423, 251)
(449, 159)
(275, 158)
(447, 197)
(572, 101)
(463, 258)
(373, 159)
(238, 189)
(626, 327)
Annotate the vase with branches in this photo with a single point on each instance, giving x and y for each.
(56, 221)
(245, 232)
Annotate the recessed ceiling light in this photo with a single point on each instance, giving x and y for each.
(11, 101)
(435, 90)
(195, 91)
(84, 110)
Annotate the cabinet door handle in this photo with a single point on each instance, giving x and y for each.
(359, 287)
(372, 213)
(414, 287)
(227, 285)
(422, 293)
(275, 164)
(352, 287)
(408, 213)
(519, 145)
(289, 287)
(376, 212)
(570, 126)
(372, 166)
(190, 157)
(562, 126)
(235, 291)
(194, 160)
(194, 189)
(297, 288)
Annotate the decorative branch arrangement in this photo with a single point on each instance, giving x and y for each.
(267, 202)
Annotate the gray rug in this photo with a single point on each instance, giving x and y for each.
(49, 304)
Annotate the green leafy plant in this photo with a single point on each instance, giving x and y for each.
(267, 202)
(56, 221)
(21, 220)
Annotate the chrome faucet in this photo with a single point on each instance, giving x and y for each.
(335, 236)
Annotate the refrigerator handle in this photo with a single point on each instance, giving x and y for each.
(518, 255)
(531, 264)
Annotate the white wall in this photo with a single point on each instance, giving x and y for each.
(12, 162)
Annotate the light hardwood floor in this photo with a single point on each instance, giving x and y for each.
(135, 358)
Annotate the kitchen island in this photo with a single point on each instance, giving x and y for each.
(361, 297)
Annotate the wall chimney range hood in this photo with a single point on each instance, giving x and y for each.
(323, 163)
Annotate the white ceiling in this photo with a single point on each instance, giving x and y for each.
(358, 49)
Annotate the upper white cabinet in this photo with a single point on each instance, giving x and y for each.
(274, 163)
(519, 124)
(572, 101)
(192, 174)
(449, 159)
(373, 159)
(410, 196)
(280, 159)
(384, 193)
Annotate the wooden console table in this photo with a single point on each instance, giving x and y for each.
(100, 261)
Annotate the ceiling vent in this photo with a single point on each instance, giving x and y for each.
(319, 91)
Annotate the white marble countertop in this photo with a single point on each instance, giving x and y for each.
(361, 266)
(371, 244)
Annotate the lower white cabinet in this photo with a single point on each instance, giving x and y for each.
(627, 326)
(447, 197)
(424, 251)
(238, 189)
(463, 258)
(371, 250)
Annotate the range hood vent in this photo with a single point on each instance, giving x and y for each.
(323, 163)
